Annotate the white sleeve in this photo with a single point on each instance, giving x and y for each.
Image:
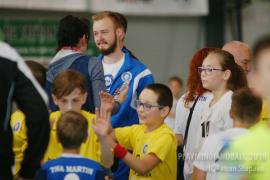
(204, 157)
(180, 117)
(227, 120)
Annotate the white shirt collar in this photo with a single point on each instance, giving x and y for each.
(71, 155)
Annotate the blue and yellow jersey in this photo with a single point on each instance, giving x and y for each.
(161, 142)
(89, 149)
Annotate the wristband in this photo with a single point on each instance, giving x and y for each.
(120, 151)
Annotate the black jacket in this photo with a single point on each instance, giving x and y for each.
(18, 84)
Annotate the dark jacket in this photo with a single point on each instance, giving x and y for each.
(18, 84)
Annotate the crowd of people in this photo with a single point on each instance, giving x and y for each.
(108, 119)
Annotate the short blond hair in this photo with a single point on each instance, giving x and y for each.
(108, 14)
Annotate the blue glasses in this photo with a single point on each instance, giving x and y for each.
(146, 106)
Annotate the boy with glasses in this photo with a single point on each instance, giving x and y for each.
(152, 142)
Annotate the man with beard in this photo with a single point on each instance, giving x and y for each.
(73, 36)
(120, 70)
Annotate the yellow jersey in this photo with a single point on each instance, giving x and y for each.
(89, 149)
(19, 130)
(161, 142)
(265, 112)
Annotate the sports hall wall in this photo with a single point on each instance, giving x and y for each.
(166, 44)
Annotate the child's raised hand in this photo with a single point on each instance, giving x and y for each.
(101, 124)
(107, 102)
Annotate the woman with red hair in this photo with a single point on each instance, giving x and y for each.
(202, 97)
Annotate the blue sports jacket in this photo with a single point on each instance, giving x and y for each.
(139, 76)
(92, 70)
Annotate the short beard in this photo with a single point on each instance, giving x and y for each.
(110, 49)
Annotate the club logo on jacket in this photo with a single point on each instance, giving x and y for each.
(126, 76)
(108, 81)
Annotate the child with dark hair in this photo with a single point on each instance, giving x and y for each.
(152, 142)
(72, 131)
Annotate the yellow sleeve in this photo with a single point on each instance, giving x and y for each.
(19, 130)
(124, 136)
(264, 116)
(161, 146)
(18, 126)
